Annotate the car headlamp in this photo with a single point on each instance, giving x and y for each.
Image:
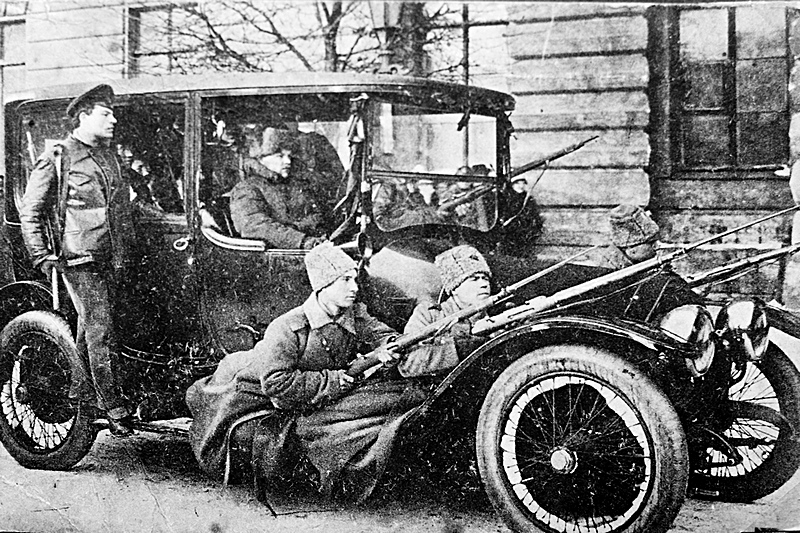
(742, 325)
(693, 325)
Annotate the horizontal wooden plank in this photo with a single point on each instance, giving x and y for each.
(600, 187)
(546, 10)
(101, 50)
(53, 6)
(574, 226)
(590, 36)
(724, 194)
(69, 75)
(580, 73)
(691, 226)
(581, 111)
(74, 23)
(615, 148)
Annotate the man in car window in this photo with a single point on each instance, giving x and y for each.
(345, 430)
(466, 281)
(270, 204)
(80, 181)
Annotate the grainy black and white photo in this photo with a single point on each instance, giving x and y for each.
(399, 267)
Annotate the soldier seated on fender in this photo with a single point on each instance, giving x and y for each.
(341, 430)
(466, 282)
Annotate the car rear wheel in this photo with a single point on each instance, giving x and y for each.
(767, 446)
(574, 438)
(39, 426)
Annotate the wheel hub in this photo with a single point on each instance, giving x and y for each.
(563, 461)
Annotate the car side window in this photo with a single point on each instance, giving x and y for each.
(149, 142)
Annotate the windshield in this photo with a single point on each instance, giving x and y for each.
(423, 170)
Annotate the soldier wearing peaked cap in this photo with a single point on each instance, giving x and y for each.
(77, 188)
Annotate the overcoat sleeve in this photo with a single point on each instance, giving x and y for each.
(253, 218)
(433, 355)
(278, 355)
(37, 207)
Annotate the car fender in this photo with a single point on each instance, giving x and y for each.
(600, 331)
(21, 296)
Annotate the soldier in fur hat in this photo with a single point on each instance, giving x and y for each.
(466, 281)
(344, 429)
(269, 203)
(634, 236)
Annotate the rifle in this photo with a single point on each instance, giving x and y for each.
(366, 364)
(544, 303)
(725, 272)
(551, 157)
(464, 198)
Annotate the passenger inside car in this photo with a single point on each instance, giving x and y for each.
(270, 203)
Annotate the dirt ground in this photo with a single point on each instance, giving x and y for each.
(151, 483)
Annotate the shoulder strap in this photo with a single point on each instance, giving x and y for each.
(62, 177)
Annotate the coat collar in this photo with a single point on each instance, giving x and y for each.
(317, 317)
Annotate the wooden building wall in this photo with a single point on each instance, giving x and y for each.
(71, 41)
(580, 70)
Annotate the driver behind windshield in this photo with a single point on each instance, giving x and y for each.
(270, 203)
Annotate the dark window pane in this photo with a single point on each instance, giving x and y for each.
(763, 138)
(704, 85)
(705, 140)
(704, 34)
(761, 85)
(760, 31)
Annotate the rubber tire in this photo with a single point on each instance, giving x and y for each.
(81, 435)
(665, 435)
(784, 379)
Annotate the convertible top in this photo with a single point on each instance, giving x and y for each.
(443, 93)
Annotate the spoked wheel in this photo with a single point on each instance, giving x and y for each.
(763, 432)
(573, 438)
(39, 426)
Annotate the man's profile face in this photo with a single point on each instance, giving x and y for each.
(279, 162)
(343, 291)
(99, 123)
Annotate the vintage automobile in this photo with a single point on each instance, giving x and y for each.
(591, 409)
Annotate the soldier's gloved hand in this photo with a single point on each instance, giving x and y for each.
(47, 266)
(309, 242)
(388, 355)
(346, 382)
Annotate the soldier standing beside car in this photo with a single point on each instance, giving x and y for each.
(76, 192)
(270, 204)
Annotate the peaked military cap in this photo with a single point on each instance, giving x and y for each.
(101, 94)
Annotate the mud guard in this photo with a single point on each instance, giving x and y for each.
(22, 296)
(649, 338)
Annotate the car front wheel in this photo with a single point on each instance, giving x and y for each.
(763, 433)
(39, 426)
(574, 438)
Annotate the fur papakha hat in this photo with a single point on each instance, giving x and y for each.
(457, 264)
(631, 226)
(275, 140)
(325, 263)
